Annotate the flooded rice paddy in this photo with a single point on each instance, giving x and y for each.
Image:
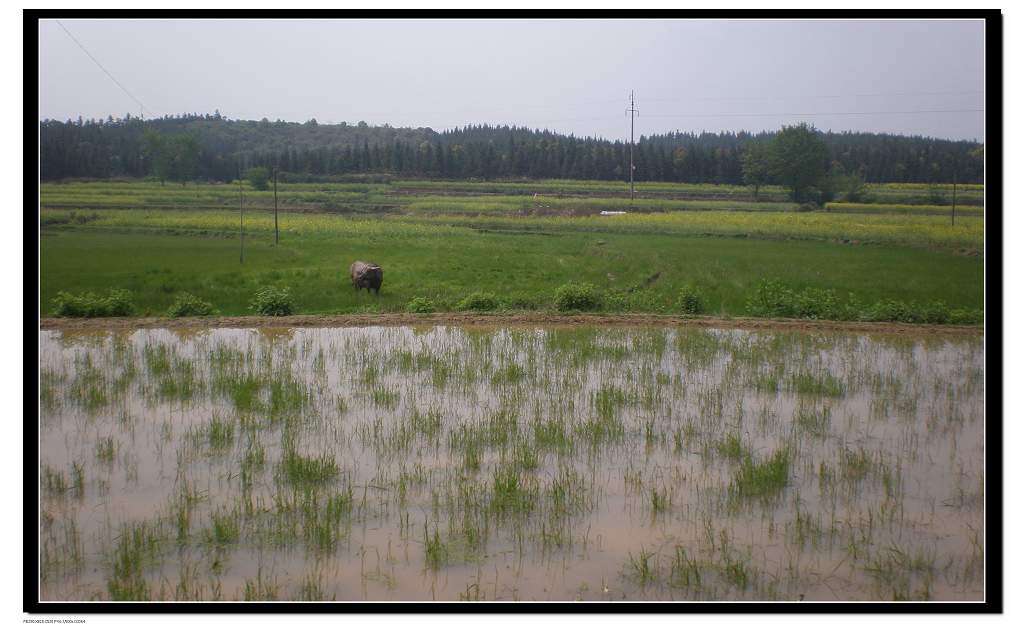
(405, 463)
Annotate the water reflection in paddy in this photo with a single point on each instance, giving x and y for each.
(524, 463)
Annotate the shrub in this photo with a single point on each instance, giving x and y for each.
(818, 304)
(844, 187)
(691, 300)
(119, 303)
(66, 305)
(890, 311)
(271, 301)
(88, 305)
(258, 177)
(935, 312)
(420, 305)
(966, 316)
(771, 299)
(478, 301)
(577, 297)
(185, 304)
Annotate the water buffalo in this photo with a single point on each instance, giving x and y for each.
(366, 275)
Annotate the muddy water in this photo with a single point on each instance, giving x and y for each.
(405, 463)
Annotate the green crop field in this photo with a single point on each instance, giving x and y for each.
(542, 196)
(158, 241)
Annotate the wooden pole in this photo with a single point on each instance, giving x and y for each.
(241, 223)
(277, 235)
(632, 110)
(953, 218)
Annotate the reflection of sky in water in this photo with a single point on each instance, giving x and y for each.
(915, 405)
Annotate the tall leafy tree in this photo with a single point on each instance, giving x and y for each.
(173, 157)
(798, 160)
(756, 165)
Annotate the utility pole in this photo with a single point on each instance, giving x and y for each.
(632, 110)
(241, 223)
(952, 221)
(276, 235)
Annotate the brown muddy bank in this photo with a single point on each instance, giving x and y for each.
(502, 319)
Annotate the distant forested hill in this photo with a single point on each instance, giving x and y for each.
(216, 148)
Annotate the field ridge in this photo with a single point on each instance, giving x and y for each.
(503, 319)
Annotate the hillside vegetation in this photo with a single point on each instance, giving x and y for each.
(211, 147)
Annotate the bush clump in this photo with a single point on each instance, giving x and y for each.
(691, 300)
(966, 316)
(185, 304)
(772, 299)
(272, 301)
(259, 178)
(823, 304)
(935, 312)
(420, 305)
(118, 302)
(478, 301)
(577, 297)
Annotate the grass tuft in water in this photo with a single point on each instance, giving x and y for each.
(302, 470)
(763, 478)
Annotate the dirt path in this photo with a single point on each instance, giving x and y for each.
(476, 319)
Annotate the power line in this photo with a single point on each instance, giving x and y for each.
(821, 96)
(751, 114)
(105, 71)
(727, 115)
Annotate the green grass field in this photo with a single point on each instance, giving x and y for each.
(156, 255)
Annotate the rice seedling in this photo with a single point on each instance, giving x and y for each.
(434, 550)
(763, 478)
(660, 501)
(685, 572)
(225, 528)
(312, 588)
(62, 553)
(137, 547)
(385, 398)
(220, 435)
(106, 450)
(642, 568)
(818, 386)
(813, 421)
(261, 588)
(731, 446)
(303, 471)
(511, 495)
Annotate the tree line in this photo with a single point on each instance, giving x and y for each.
(211, 147)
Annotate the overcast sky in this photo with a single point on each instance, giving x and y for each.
(569, 76)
